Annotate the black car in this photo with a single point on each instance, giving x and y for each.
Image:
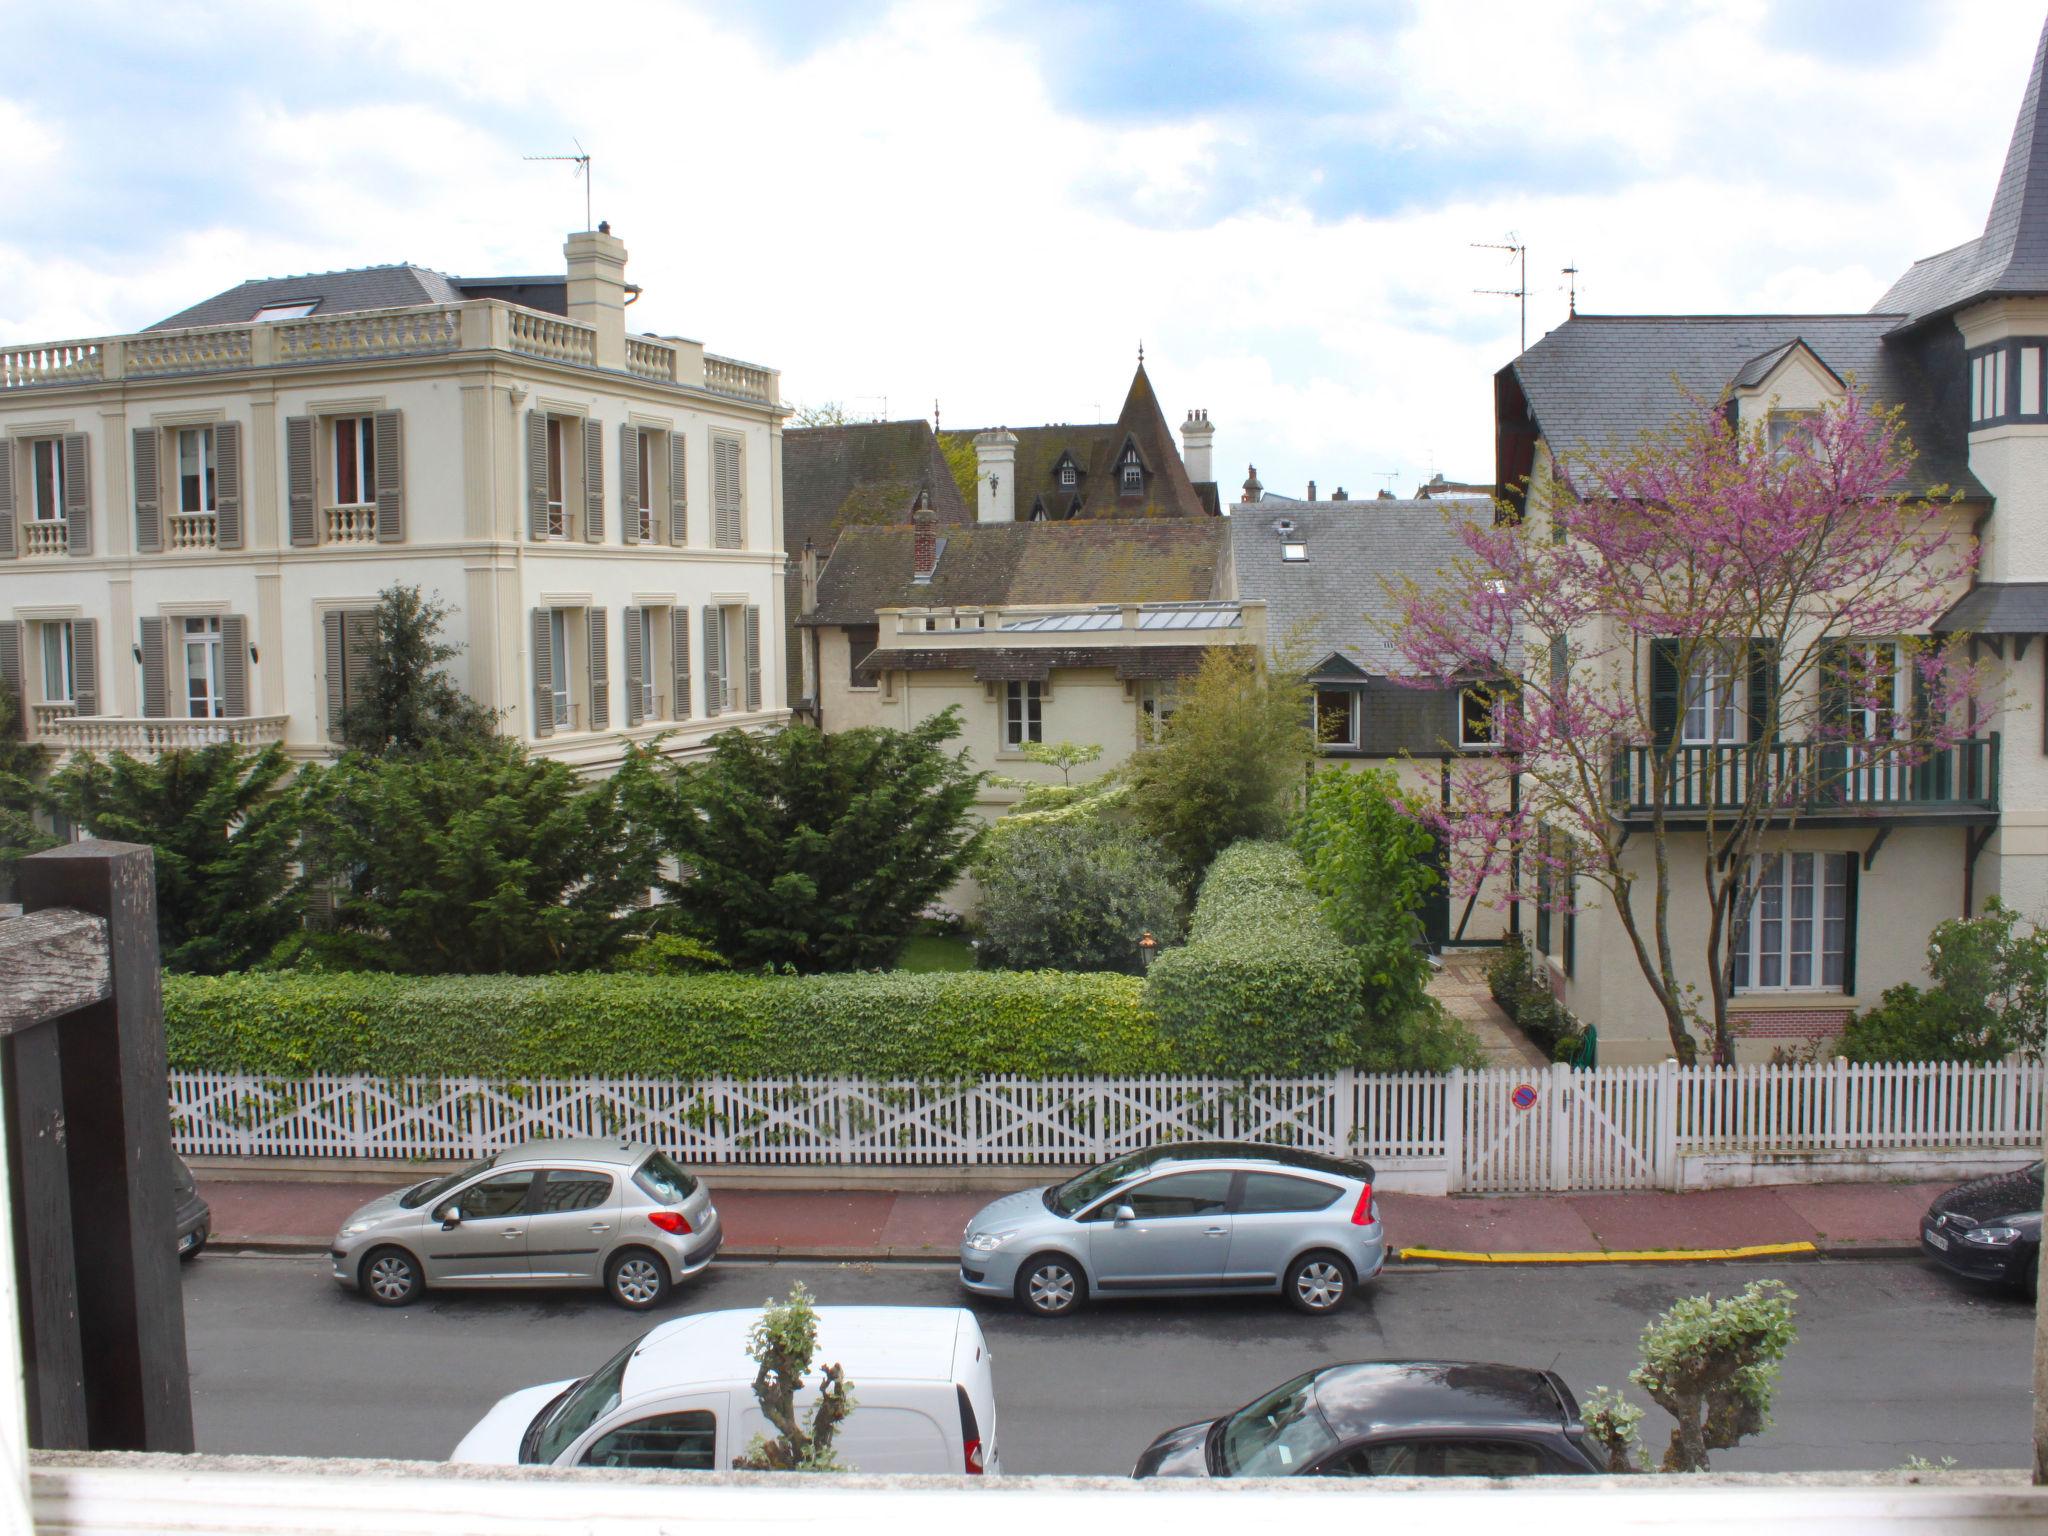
(1989, 1228)
(1390, 1418)
(194, 1215)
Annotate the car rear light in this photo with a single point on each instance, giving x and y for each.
(670, 1221)
(975, 1465)
(1361, 1214)
(970, 1434)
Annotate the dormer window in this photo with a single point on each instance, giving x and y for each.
(1038, 513)
(1131, 473)
(297, 309)
(1068, 474)
(1786, 427)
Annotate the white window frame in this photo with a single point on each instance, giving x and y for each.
(644, 446)
(46, 472)
(561, 655)
(1788, 923)
(290, 309)
(645, 619)
(1158, 699)
(202, 438)
(59, 644)
(354, 437)
(1355, 724)
(1068, 474)
(1293, 550)
(1023, 714)
(557, 489)
(199, 638)
(1131, 474)
(1490, 742)
(1712, 708)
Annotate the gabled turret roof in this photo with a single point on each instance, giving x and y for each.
(2011, 256)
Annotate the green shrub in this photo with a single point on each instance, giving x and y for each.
(879, 1025)
(1074, 896)
(1988, 1001)
(1522, 988)
(669, 954)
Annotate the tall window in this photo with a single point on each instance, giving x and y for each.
(204, 699)
(46, 478)
(558, 660)
(1157, 702)
(643, 620)
(1796, 930)
(1475, 717)
(59, 663)
(1023, 714)
(355, 461)
(645, 511)
(1711, 713)
(1337, 717)
(861, 640)
(1132, 473)
(195, 470)
(558, 515)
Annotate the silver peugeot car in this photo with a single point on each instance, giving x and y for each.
(1196, 1218)
(613, 1213)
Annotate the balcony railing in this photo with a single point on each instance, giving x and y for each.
(1808, 778)
(193, 530)
(147, 737)
(45, 718)
(349, 525)
(46, 538)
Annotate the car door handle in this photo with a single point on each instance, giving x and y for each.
(600, 1226)
(1214, 1231)
(512, 1232)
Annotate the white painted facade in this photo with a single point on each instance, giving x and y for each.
(467, 382)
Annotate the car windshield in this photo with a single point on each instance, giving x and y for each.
(563, 1421)
(1084, 1189)
(662, 1179)
(1278, 1435)
(433, 1189)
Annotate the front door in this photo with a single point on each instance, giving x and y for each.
(573, 1226)
(488, 1245)
(1180, 1237)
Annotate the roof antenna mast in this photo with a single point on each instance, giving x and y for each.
(1571, 277)
(582, 162)
(1519, 253)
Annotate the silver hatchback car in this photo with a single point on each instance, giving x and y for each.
(1196, 1218)
(613, 1213)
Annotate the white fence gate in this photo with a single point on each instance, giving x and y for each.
(1501, 1129)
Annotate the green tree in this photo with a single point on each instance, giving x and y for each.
(481, 861)
(225, 825)
(782, 1342)
(405, 701)
(816, 851)
(1366, 855)
(1989, 999)
(1230, 762)
(1073, 896)
(20, 764)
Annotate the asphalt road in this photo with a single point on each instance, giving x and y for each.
(1893, 1359)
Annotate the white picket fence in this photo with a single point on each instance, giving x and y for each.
(1502, 1129)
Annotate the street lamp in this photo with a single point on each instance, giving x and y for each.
(1146, 945)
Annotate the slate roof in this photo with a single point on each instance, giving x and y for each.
(1035, 663)
(1998, 608)
(996, 564)
(2011, 256)
(852, 476)
(1601, 381)
(1332, 603)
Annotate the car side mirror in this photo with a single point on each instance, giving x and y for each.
(1123, 1214)
(451, 1217)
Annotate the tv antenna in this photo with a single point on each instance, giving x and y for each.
(1519, 253)
(1386, 478)
(581, 160)
(1571, 277)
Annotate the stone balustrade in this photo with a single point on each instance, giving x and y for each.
(372, 333)
(214, 350)
(54, 362)
(564, 341)
(650, 359)
(192, 530)
(349, 525)
(45, 538)
(729, 376)
(147, 737)
(44, 718)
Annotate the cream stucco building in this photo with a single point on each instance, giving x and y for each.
(196, 519)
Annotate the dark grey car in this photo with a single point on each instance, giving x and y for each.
(193, 1215)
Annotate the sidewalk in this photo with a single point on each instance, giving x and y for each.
(883, 1224)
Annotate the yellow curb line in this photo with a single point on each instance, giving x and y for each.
(1640, 1256)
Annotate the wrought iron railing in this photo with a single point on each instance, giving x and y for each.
(1807, 777)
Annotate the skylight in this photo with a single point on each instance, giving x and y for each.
(296, 309)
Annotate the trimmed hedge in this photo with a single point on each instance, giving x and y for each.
(937, 1026)
(1263, 985)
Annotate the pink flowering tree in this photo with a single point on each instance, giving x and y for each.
(1687, 647)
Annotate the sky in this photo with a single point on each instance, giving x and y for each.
(992, 205)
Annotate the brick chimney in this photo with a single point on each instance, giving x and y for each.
(1252, 489)
(924, 540)
(1311, 490)
(597, 291)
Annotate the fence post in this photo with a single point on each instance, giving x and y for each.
(1838, 1106)
(1667, 1124)
(1454, 1130)
(1560, 1112)
(1344, 1123)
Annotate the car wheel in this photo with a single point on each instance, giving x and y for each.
(1050, 1285)
(1319, 1283)
(391, 1277)
(637, 1279)
(2028, 1281)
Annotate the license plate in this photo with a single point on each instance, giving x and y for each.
(187, 1242)
(1935, 1239)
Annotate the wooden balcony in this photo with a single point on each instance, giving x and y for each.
(1834, 781)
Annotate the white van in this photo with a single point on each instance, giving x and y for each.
(681, 1398)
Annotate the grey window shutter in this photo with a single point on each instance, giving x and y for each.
(337, 667)
(149, 521)
(536, 475)
(636, 668)
(543, 676)
(753, 658)
(234, 665)
(300, 512)
(154, 702)
(77, 493)
(600, 671)
(7, 548)
(85, 665)
(678, 490)
(679, 640)
(11, 679)
(593, 482)
(725, 492)
(227, 485)
(390, 440)
(629, 483)
(714, 661)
